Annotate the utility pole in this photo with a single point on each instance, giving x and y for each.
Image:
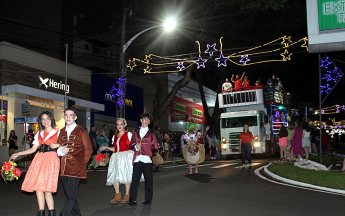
(66, 99)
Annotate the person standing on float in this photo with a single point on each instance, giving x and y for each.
(43, 172)
(76, 151)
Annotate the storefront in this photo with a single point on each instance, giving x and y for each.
(27, 76)
(100, 93)
(182, 111)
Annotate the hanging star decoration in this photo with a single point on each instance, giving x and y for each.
(131, 64)
(305, 43)
(286, 41)
(259, 54)
(211, 49)
(244, 59)
(200, 62)
(221, 60)
(147, 69)
(180, 66)
(286, 55)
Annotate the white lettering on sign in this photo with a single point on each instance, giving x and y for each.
(53, 84)
(333, 7)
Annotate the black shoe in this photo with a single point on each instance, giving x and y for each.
(156, 168)
(250, 167)
(146, 203)
(131, 203)
(41, 213)
(51, 213)
(243, 168)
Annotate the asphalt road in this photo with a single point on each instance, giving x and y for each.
(220, 188)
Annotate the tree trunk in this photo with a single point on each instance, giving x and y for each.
(160, 108)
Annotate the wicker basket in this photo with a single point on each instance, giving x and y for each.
(102, 162)
(157, 159)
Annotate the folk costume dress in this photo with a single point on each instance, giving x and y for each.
(121, 162)
(43, 172)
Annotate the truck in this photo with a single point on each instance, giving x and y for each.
(264, 110)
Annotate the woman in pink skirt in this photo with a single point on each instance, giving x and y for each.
(43, 172)
(283, 133)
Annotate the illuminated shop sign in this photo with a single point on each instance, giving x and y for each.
(197, 112)
(47, 82)
(109, 97)
(179, 107)
(331, 14)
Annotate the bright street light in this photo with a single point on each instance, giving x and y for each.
(170, 24)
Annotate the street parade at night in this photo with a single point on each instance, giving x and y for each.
(172, 107)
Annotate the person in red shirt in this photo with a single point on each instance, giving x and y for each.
(245, 83)
(237, 81)
(246, 140)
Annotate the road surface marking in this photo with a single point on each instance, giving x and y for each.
(257, 172)
(253, 164)
(224, 165)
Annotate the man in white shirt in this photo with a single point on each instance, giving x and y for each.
(76, 152)
(144, 142)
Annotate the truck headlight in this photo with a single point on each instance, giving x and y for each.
(223, 140)
(224, 146)
(257, 145)
(256, 138)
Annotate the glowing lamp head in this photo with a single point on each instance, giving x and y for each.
(170, 24)
(224, 146)
(223, 140)
(256, 138)
(256, 145)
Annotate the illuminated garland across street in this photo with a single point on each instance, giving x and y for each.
(331, 110)
(154, 63)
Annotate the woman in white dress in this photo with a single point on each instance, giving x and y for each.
(121, 162)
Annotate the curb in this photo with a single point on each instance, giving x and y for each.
(301, 184)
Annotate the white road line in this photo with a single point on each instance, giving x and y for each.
(167, 167)
(253, 164)
(223, 165)
(257, 172)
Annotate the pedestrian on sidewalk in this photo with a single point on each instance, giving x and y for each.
(43, 172)
(283, 133)
(120, 168)
(182, 142)
(76, 152)
(246, 141)
(144, 142)
(296, 145)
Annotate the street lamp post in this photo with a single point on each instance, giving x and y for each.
(169, 25)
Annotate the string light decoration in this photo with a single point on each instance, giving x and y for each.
(211, 49)
(154, 63)
(330, 76)
(117, 93)
(221, 60)
(335, 109)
